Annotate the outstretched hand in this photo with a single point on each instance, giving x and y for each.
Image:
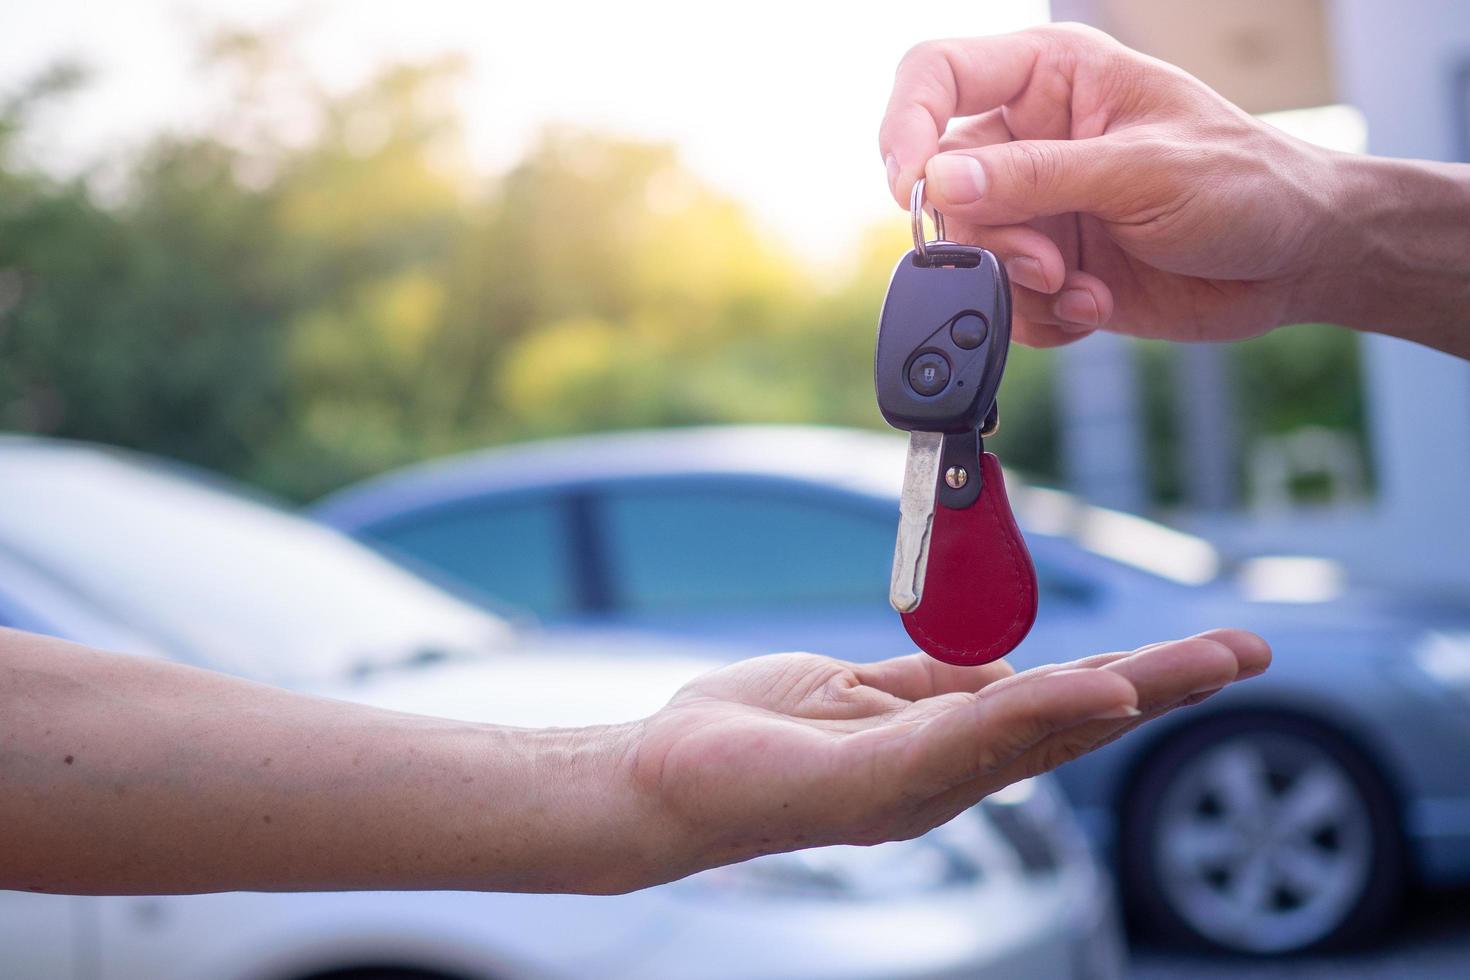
(796, 750)
(130, 775)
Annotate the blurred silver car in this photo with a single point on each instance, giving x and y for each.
(1284, 813)
(113, 550)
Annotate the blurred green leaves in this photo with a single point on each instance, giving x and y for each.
(305, 311)
(315, 287)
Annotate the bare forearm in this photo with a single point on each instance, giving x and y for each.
(1398, 255)
(120, 775)
(124, 775)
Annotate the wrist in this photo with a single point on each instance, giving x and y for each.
(1330, 288)
(1394, 248)
(598, 832)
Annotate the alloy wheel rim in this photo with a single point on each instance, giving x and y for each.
(1264, 842)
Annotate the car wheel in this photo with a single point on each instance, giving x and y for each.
(1260, 834)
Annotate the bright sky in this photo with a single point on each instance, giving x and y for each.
(776, 103)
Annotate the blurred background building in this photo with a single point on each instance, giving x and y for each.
(1403, 67)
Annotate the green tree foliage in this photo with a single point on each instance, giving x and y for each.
(316, 288)
(149, 324)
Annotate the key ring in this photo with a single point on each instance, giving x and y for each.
(916, 213)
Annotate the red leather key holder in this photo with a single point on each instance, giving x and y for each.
(979, 596)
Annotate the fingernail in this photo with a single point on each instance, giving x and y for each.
(1077, 306)
(891, 162)
(1026, 271)
(1120, 712)
(957, 179)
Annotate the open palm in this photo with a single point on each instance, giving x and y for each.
(797, 750)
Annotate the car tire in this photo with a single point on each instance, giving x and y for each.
(1260, 835)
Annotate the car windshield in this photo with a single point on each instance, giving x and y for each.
(219, 579)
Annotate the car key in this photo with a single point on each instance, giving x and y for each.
(962, 577)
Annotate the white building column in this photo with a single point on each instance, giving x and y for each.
(1103, 453)
(1397, 62)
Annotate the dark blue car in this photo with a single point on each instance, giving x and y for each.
(1283, 814)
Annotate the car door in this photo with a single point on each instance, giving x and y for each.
(519, 552)
(40, 937)
(759, 563)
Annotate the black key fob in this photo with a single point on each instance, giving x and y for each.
(943, 335)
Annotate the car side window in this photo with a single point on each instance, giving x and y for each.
(514, 551)
(688, 549)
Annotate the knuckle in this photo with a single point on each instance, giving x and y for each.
(1054, 753)
(999, 750)
(1168, 155)
(1032, 166)
(1074, 45)
(1076, 32)
(925, 73)
(949, 701)
(921, 54)
(1070, 41)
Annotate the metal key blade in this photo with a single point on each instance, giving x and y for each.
(915, 520)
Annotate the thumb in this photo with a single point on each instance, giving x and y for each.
(1011, 183)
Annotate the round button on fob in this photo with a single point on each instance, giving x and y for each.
(968, 331)
(929, 373)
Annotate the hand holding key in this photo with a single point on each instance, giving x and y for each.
(1122, 193)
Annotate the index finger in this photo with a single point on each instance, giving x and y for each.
(940, 80)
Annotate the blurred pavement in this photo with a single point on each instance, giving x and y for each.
(1431, 942)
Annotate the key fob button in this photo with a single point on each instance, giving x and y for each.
(968, 331)
(929, 373)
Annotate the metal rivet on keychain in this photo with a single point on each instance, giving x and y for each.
(956, 477)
